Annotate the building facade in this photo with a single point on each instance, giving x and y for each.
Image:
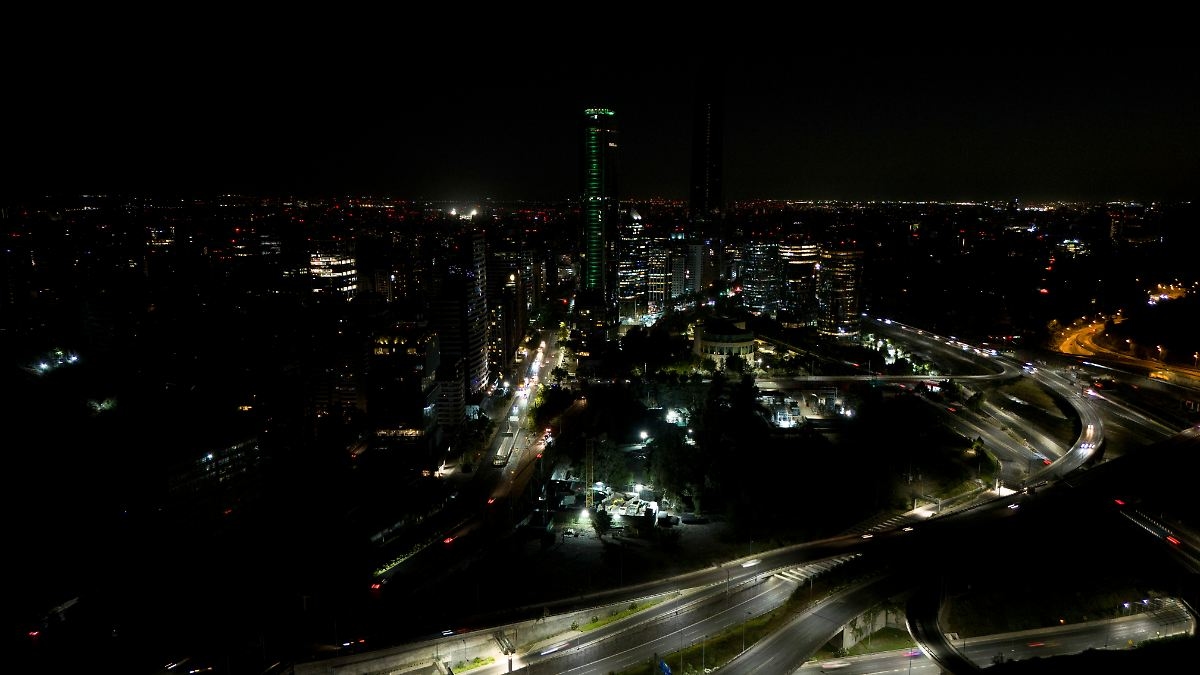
(332, 270)
(719, 339)
(760, 277)
(600, 213)
(839, 295)
(460, 312)
(798, 297)
(705, 203)
(401, 381)
(632, 270)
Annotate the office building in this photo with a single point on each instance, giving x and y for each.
(632, 269)
(332, 270)
(460, 312)
(687, 267)
(798, 298)
(508, 308)
(401, 383)
(839, 292)
(760, 278)
(658, 277)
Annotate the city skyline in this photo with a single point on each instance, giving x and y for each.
(225, 321)
(878, 123)
(302, 422)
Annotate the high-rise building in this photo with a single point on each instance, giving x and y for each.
(332, 269)
(600, 213)
(507, 308)
(694, 255)
(687, 267)
(760, 277)
(632, 264)
(658, 276)
(678, 274)
(402, 386)
(705, 204)
(839, 293)
(452, 400)
(799, 293)
(460, 311)
(706, 207)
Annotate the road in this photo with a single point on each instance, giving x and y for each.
(984, 651)
(904, 552)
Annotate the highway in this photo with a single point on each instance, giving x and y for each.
(717, 599)
(987, 650)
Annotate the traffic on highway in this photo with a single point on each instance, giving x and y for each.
(692, 609)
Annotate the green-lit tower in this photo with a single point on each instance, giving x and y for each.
(600, 212)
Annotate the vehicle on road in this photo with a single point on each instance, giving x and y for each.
(506, 448)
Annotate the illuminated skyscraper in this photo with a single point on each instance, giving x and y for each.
(632, 266)
(839, 281)
(600, 212)
(332, 269)
(799, 260)
(658, 277)
(760, 277)
(507, 309)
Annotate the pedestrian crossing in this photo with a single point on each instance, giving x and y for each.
(803, 573)
(893, 521)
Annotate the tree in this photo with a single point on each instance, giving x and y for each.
(736, 363)
(609, 464)
(674, 466)
(902, 366)
(975, 402)
(601, 522)
(559, 374)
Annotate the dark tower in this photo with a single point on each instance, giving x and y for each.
(460, 311)
(706, 199)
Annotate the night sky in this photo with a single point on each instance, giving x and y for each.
(424, 112)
